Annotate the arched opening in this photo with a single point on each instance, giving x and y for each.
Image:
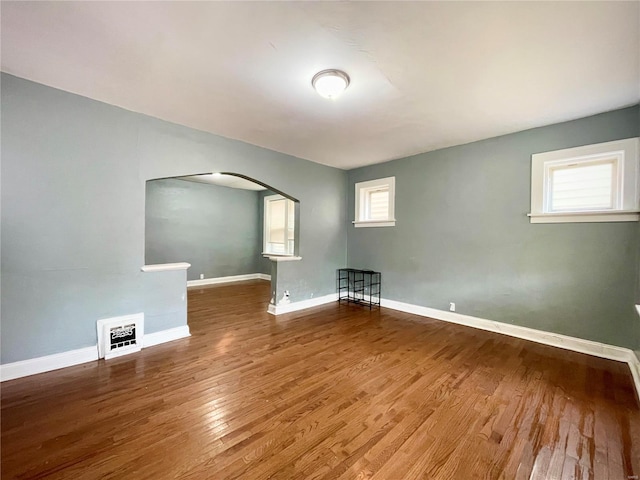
(225, 225)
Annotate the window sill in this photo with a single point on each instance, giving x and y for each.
(585, 217)
(274, 257)
(374, 223)
(164, 267)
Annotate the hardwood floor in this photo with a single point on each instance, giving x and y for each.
(331, 392)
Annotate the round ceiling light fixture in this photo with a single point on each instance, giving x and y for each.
(330, 83)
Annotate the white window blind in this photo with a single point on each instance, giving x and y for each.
(583, 187)
(279, 225)
(378, 204)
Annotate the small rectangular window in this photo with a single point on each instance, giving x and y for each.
(279, 225)
(375, 203)
(594, 183)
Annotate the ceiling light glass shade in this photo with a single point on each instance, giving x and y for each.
(330, 83)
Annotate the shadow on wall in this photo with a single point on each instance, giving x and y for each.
(223, 224)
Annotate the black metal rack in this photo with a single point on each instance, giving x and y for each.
(359, 286)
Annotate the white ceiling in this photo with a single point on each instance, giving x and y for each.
(424, 75)
(224, 181)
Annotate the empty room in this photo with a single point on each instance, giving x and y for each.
(320, 240)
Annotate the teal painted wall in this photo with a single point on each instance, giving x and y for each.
(462, 236)
(73, 179)
(73, 215)
(214, 228)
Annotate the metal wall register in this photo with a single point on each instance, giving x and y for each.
(122, 336)
(359, 286)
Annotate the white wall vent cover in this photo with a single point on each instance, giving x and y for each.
(120, 335)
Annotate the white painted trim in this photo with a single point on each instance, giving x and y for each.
(303, 304)
(558, 340)
(371, 223)
(32, 366)
(634, 366)
(163, 267)
(588, 347)
(584, 217)
(628, 187)
(163, 336)
(229, 279)
(282, 258)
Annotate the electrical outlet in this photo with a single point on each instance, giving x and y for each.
(452, 307)
(285, 298)
(202, 276)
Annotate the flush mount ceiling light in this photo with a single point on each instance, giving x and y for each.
(330, 83)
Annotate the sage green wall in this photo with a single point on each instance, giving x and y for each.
(73, 214)
(73, 179)
(462, 236)
(214, 228)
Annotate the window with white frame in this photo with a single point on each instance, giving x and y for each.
(279, 225)
(375, 203)
(593, 183)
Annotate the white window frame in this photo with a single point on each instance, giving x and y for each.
(623, 154)
(289, 250)
(362, 189)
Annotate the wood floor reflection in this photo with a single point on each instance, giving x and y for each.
(332, 392)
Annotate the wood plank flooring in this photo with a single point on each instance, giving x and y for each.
(334, 392)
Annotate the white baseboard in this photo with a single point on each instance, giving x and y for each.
(232, 278)
(32, 366)
(295, 306)
(575, 344)
(24, 368)
(634, 366)
(580, 345)
(163, 336)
